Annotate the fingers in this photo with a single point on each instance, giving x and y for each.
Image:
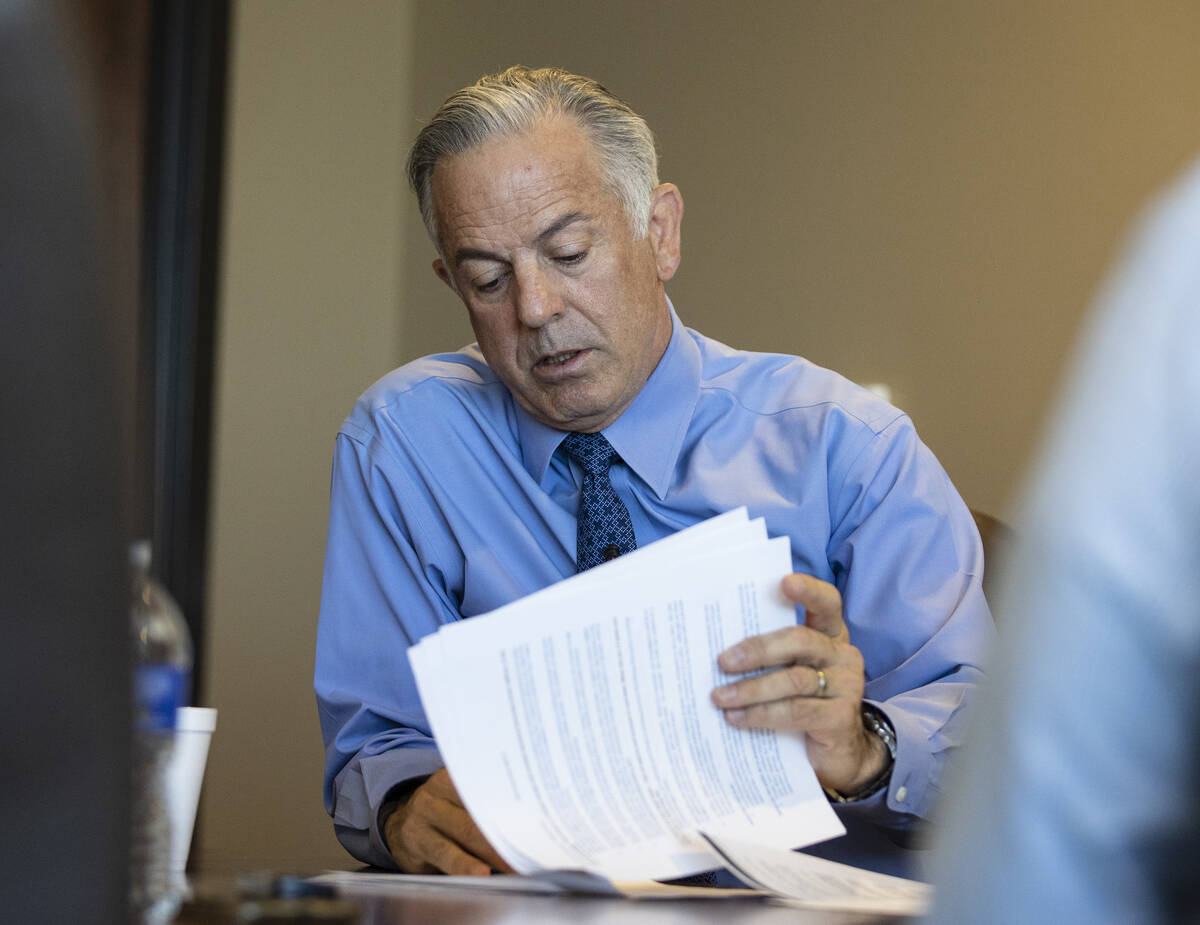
(788, 695)
(459, 826)
(441, 786)
(432, 832)
(788, 646)
(822, 603)
(843, 755)
(808, 644)
(427, 850)
(800, 714)
(790, 682)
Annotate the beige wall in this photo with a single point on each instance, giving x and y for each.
(307, 319)
(919, 193)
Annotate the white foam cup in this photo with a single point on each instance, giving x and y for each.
(193, 730)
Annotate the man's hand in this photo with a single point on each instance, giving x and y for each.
(791, 697)
(431, 832)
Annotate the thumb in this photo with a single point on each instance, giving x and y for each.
(822, 603)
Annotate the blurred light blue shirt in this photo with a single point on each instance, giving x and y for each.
(1080, 799)
(448, 501)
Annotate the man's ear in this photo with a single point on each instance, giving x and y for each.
(439, 267)
(666, 217)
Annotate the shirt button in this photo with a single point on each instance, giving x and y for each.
(611, 551)
(901, 794)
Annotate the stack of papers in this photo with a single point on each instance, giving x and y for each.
(785, 877)
(815, 883)
(577, 723)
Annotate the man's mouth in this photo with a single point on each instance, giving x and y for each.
(557, 359)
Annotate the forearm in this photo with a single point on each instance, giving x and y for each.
(376, 738)
(376, 602)
(910, 566)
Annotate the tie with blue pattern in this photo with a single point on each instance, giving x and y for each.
(605, 530)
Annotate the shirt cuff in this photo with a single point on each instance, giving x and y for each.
(907, 793)
(363, 790)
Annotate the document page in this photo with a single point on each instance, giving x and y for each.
(820, 884)
(577, 723)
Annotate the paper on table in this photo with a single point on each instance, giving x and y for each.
(820, 884)
(578, 727)
(549, 883)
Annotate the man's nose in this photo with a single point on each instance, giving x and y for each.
(537, 300)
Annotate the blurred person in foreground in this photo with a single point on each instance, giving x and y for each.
(1080, 790)
(65, 477)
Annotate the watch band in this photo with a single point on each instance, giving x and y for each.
(875, 721)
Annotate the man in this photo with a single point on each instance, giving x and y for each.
(1080, 799)
(464, 481)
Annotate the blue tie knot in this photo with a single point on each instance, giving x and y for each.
(592, 451)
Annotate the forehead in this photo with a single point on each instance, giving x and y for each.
(513, 187)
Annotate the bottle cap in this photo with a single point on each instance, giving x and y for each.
(140, 554)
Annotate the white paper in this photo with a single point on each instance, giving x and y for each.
(820, 884)
(374, 882)
(377, 883)
(577, 723)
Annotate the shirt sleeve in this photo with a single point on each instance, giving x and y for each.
(907, 558)
(377, 599)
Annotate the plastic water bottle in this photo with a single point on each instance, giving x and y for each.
(162, 674)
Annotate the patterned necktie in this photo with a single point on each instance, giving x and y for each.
(605, 530)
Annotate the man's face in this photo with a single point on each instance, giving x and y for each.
(568, 308)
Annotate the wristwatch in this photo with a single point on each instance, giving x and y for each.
(875, 721)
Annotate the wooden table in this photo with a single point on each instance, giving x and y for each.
(478, 908)
(421, 904)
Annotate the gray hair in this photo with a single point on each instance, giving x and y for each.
(512, 102)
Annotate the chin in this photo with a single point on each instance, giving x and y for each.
(563, 419)
(580, 405)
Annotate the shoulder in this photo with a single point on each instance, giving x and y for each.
(429, 395)
(776, 384)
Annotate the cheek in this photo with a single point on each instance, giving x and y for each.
(608, 299)
(490, 323)
(496, 340)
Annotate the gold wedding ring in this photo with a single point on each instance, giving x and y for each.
(821, 683)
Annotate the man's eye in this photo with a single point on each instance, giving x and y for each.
(491, 285)
(569, 259)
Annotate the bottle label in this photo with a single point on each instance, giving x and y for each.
(158, 691)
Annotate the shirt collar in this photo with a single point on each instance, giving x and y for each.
(649, 433)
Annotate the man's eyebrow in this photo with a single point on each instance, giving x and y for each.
(555, 227)
(471, 253)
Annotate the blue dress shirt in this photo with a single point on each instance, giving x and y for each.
(448, 501)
